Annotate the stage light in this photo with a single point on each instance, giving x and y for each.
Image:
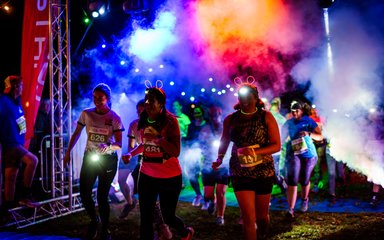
(213, 89)
(210, 79)
(219, 93)
(98, 7)
(192, 98)
(231, 89)
(103, 46)
(122, 62)
(161, 66)
(150, 70)
(228, 86)
(182, 93)
(202, 90)
(172, 83)
(86, 20)
(223, 91)
(137, 70)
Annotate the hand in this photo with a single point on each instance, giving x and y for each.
(126, 158)
(103, 148)
(150, 132)
(216, 165)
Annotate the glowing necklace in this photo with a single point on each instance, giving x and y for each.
(245, 113)
(150, 121)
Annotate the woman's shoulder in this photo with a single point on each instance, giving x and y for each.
(88, 110)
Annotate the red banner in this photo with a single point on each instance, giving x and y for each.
(34, 58)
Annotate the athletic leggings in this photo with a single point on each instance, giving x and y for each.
(168, 191)
(300, 169)
(104, 169)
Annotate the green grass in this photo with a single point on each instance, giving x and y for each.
(311, 225)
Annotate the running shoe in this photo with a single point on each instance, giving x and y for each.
(304, 205)
(205, 205)
(190, 234)
(127, 209)
(211, 208)
(197, 200)
(220, 221)
(290, 214)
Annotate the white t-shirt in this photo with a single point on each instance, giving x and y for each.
(100, 127)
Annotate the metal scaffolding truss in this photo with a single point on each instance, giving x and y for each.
(62, 200)
(52, 208)
(60, 95)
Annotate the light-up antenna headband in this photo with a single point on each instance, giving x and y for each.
(159, 84)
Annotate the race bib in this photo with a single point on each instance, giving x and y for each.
(22, 125)
(247, 156)
(152, 153)
(299, 146)
(98, 135)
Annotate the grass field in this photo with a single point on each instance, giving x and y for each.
(310, 225)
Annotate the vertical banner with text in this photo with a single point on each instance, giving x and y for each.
(34, 58)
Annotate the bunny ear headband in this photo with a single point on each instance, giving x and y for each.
(159, 84)
(239, 82)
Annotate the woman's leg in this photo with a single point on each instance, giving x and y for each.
(88, 175)
(221, 199)
(170, 189)
(105, 179)
(292, 178)
(148, 192)
(246, 200)
(124, 187)
(262, 214)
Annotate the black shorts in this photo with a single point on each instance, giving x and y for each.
(12, 156)
(260, 186)
(212, 177)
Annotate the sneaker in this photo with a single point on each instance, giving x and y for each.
(220, 221)
(29, 203)
(205, 206)
(106, 234)
(374, 202)
(197, 200)
(211, 208)
(165, 232)
(190, 234)
(127, 209)
(290, 214)
(304, 205)
(92, 229)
